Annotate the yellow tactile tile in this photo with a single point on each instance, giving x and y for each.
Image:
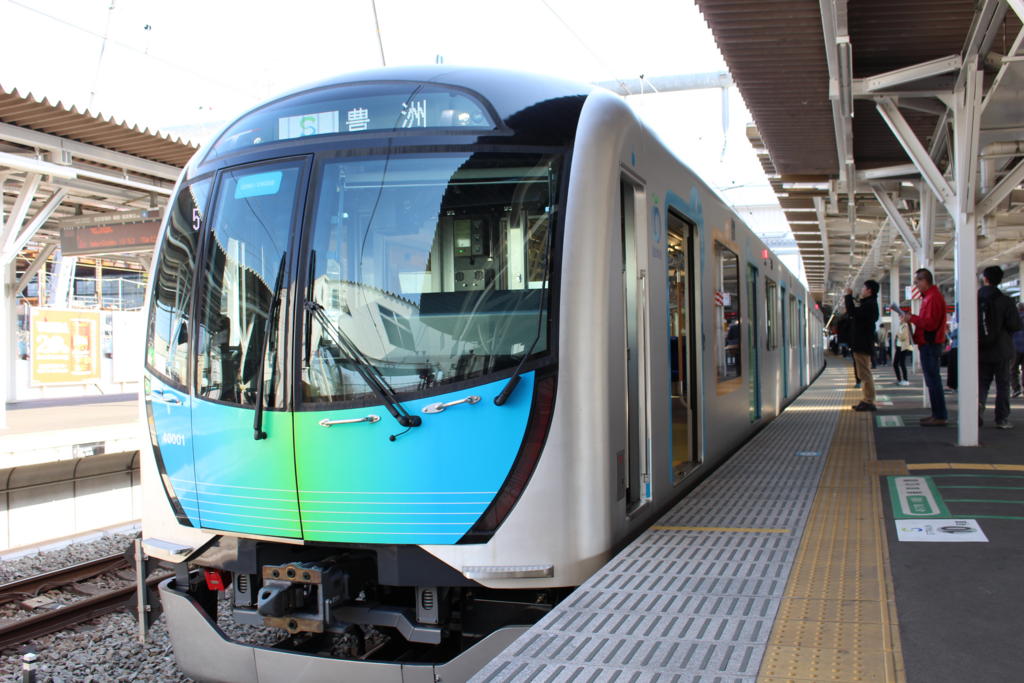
(837, 620)
(821, 609)
(1012, 468)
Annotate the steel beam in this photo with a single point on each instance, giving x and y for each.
(896, 217)
(16, 243)
(917, 153)
(1018, 7)
(909, 74)
(19, 210)
(1002, 189)
(886, 172)
(81, 150)
(819, 209)
(33, 268)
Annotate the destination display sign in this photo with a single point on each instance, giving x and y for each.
(117, 238)
(356, 109)
(119, 217)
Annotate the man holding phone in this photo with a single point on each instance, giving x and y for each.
(864, 312)
(930, 336)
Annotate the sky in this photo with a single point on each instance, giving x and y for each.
(179, 66)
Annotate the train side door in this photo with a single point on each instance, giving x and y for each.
(753, 329)
(635, 304)
(245, 476)
(682, 361)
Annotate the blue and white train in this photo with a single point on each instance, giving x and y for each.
(425, 347)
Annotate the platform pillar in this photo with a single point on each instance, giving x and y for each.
(966, 115)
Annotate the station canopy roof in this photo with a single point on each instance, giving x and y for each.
(58, 162)
(833, 87)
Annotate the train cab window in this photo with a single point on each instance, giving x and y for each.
(771, 303)
(727, 308)
(434, 269)
(173, 277)
(243, 275)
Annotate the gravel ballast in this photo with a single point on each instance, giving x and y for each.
(106, 648)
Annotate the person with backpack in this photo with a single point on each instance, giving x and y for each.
(997, 321)
(930, 337)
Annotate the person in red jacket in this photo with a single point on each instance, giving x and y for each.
(930, 336)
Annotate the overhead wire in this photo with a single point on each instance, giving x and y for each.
(586, 47)
(126, 46)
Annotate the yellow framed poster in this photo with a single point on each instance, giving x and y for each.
(65, 346)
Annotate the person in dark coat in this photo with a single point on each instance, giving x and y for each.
(997, 321)
(864, 313)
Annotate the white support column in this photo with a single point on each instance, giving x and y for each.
(927, 226)
(966, 114)
(895, 296)
(64, 281)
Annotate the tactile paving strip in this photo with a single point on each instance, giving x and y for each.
(837, 620)
(694, 598)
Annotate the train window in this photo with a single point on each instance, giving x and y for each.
(167, 343)
(355, 109)
(794, 323)
(245, 262)
(771, 302)
(435, 268)
(727, 304)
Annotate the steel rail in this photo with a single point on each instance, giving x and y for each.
(24, 630)
(34, 585)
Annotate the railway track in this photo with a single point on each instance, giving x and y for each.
(73, 613)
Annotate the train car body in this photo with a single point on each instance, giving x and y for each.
(426, 346)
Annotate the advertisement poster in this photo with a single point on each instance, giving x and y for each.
(65, 346)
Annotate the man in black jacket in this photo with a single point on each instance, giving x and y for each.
(865, 314)
(997, 321)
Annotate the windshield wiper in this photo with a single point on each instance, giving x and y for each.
(370, 373)
(257, 419)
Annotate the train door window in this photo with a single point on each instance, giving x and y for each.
(771, 309)
(753, 346)
(637, 480)
(794, 334)
(245, 263)
(174, 275)
(682, 364)
(785, 343)
(727, 308)
(802, 340)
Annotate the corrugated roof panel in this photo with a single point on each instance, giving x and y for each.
(28, 111)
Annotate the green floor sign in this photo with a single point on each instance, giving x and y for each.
(916, 497)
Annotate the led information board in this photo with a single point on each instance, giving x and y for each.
(116, 238)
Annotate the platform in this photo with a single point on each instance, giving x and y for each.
(60, 429)
(785, 564)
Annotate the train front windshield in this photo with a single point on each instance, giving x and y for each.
(434, 267)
